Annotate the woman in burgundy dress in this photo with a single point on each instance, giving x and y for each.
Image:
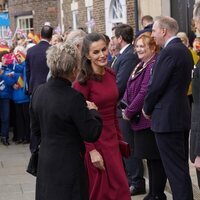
(103, 160)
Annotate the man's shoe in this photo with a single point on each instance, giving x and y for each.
(159, 197)
(26, 142)
(148, 197)
(136, 191)
(5, 141)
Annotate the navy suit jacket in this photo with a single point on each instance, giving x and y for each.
(167, 100)
(36, 66)
(123, 67)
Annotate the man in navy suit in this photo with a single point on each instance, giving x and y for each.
(123, 67)
(37, 69)
(36, 66)
(167, 105)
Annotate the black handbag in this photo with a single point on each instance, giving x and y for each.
(33, 163)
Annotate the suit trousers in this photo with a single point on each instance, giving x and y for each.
(157, 177)
(4, 117)
(134, 166)
(173, 148)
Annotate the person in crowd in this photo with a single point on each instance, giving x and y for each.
(167, 105)
(76, 37)
(56, 38)
(145, 146)
(123, 67)
(21, 100)
(147, 23)
(62, 119)
(192, 33)
(195, 128)
(114, 51)
(103, 160)
(7, 80)
(185, 41)
(36, 66)
(109, 54)
(69, 29)
(184, 38)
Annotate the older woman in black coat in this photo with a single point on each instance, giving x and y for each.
(63, 119)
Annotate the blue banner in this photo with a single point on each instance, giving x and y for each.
(4, 19)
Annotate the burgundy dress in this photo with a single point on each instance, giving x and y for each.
(111, 183)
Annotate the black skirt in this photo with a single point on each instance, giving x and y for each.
(145, 146)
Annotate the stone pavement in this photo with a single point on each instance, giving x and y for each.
(16, 184)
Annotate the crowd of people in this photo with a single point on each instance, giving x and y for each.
(87, 100)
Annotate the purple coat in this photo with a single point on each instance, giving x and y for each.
(135, 93)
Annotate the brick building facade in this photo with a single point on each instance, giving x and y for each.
(92, 15)
(89, 14)
(32, 13)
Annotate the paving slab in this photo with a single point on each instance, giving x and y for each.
(17, 184)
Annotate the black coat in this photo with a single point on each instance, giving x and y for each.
(59, 114)
(195, 122)
(36, 65)
(167, 99)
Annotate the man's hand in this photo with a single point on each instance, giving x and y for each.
(197, 163)
(97, 159)
(145, 115)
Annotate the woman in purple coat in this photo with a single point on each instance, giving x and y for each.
(145, 146)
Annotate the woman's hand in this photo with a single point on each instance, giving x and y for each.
(97, 159)
(197, 163)
(124, 116)
(91, 105)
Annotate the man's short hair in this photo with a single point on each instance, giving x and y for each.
(125, 31)
(46, 32)
(147, 18)
(168, 23)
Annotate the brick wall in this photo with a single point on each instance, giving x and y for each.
(49, 10)
(42, 11)
(99, 16)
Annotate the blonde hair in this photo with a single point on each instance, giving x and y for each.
(63, 59)
(184, 38)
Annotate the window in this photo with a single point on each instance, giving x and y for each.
(25, 23)
(117, 11)
(3, 5)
